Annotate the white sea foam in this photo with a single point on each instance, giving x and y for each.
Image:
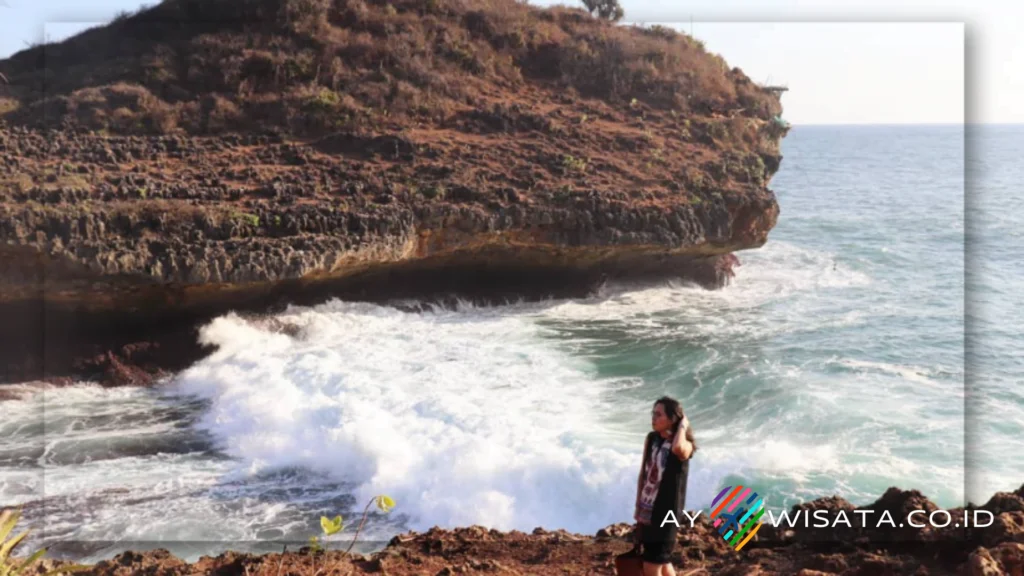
(462, 417)
(915, 374)
(478, 415)
(473, 416)
(779, 272)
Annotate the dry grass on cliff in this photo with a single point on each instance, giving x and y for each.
(205, 66)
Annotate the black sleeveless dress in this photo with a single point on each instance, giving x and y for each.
(659, 541)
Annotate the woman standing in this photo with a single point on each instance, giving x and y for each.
(661, 487)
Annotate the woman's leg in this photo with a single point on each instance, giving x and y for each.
(658, 546)
(651, 569)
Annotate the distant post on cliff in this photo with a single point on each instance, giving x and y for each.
(607, 9)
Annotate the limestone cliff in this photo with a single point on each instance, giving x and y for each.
(201, 156)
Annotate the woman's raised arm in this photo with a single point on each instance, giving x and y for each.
(682, 447)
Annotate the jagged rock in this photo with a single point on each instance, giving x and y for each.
(1005, 526)
(981, 563)
(1010, 556)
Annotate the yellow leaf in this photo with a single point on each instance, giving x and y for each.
(7, 546)
(68, 570)
(330, 526)
(385, 503)
(8, 519)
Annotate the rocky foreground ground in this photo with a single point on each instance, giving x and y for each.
(995, 550)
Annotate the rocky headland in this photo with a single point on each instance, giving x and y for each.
(205, 156)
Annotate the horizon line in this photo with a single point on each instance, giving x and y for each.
(962, 124)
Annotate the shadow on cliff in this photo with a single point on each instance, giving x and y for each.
(63, 341)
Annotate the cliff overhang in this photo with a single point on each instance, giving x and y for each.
(200, 157)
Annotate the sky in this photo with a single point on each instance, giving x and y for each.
(844, 61)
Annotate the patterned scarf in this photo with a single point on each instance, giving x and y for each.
(652, 479)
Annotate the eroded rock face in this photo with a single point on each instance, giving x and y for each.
(140, 250)
(158, 222)
(498, 164)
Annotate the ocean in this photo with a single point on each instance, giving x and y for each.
(833, 365)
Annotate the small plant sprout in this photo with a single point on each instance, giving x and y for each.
(314, 544)
(384, 503)
(8, 519)
(332, 526)
(314, 549)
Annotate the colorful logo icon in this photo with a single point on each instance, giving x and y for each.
(736, 512)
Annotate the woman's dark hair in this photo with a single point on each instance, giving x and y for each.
(673, 409)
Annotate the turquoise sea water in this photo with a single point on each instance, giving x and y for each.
(834, 364)
(995, 310)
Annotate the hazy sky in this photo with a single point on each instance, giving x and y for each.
(839, 68)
